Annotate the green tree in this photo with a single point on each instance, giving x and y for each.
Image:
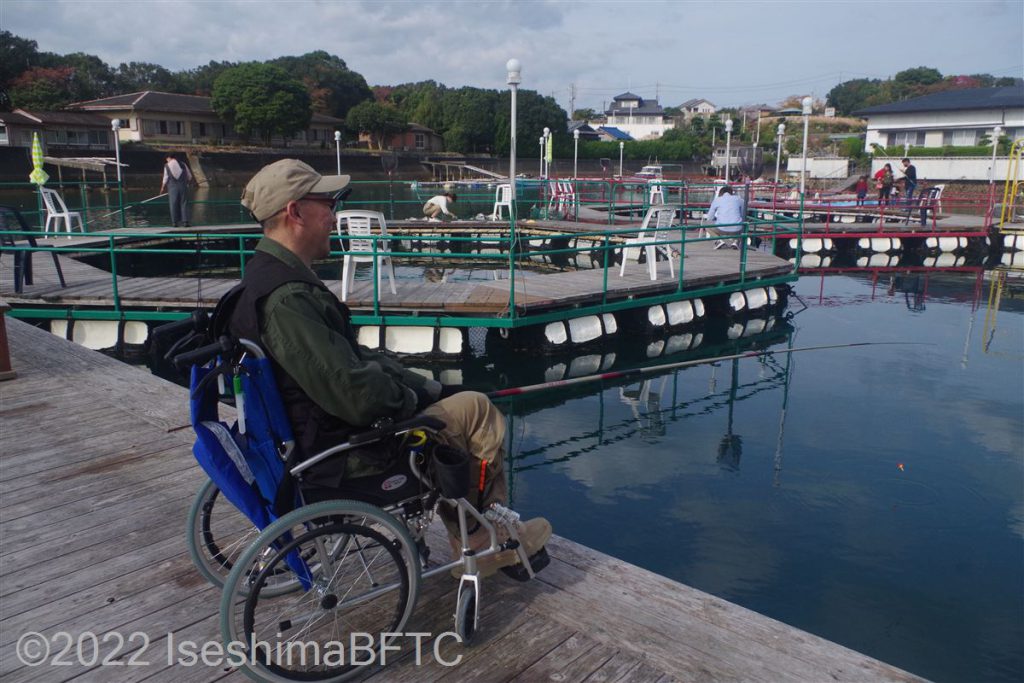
(471, 113)
(379, 120)
(261, 98)
(44, 89)
(534, 113)
(92, 77)
(200, 80)
(332, 86)
(850, 96)
(17, 55)
(139, 76)
(421, 102)
(584, 115)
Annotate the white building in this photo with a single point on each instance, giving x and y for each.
(697, 107)
(641, 119)
(955, 118)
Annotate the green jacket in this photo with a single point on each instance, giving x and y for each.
(303, 330)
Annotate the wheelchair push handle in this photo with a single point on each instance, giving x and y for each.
(196, 322)
(222, 346)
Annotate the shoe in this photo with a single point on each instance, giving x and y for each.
(733, 245)
(533, 534)
(720, 244)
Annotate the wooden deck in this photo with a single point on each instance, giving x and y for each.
(95, 484)
(535, 292)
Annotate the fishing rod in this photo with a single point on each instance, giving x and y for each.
(636, 372)
(139, 204)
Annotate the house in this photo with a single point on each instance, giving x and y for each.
(611, 133)
(57, 130)
(954, 118)
(639, 118)
(172, 118)
(586, 132)
(697, 107)
(951, 118)
(415, 138)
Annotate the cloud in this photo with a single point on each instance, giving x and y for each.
(729, 52)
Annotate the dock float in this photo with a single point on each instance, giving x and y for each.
(96, 476)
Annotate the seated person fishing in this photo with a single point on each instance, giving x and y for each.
(332, 387)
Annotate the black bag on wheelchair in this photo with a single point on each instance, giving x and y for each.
(449, 470)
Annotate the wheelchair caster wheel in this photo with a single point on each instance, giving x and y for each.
(465, 616)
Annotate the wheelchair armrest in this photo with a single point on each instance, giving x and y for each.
(419, 421)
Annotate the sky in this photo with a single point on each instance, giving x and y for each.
(731, 52)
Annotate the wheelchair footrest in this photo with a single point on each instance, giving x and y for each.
(538, 561)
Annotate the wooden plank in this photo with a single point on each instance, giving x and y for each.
(110, 555)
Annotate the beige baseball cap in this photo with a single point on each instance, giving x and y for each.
(284, 181)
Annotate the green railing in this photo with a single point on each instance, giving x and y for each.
(509, 252)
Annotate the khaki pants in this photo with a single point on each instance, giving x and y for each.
(431, 210)
(475, 426)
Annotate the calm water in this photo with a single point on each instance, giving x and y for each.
(871, 495)
(875, 497)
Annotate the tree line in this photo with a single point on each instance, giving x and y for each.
(860, 93)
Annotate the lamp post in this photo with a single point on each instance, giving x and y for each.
(807, 121)
(513, 67)
(337, 148)
(622, 146)
(728, 145)
(778, 153)
(996, 132)
(541, 172)
(575, 152)
(544, 153)
(115, 126)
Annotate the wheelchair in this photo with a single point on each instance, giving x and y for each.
(296, 585)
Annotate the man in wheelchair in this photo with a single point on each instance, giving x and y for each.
(330, 386)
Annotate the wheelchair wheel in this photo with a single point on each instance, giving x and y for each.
(465, 616)
(217, 536)
(361, 576)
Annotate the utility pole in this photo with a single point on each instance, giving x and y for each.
(572, 99)
(657, 91)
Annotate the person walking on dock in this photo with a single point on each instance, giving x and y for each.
(439, 205)
(727, 213)
(176, 181)
(330, 385)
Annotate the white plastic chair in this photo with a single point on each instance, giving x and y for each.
(359, 224)
(57, 210)
(653, 229)
(502, 199)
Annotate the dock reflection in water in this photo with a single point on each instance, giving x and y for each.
(871, 495)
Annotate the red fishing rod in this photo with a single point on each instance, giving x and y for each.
(636, 372)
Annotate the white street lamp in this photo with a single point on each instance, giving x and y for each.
(807, 120)
(996, 132)
(541, 173)
(778, 154)
(513, 67)
(575, 152)
(728, 144)
(622, 146)
(337, 148)
(115, 125)
(547, 136)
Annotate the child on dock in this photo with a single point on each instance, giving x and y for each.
(861, 188)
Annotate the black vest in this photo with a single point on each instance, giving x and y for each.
(239, 311)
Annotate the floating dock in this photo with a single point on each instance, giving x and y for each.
(92, 514)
